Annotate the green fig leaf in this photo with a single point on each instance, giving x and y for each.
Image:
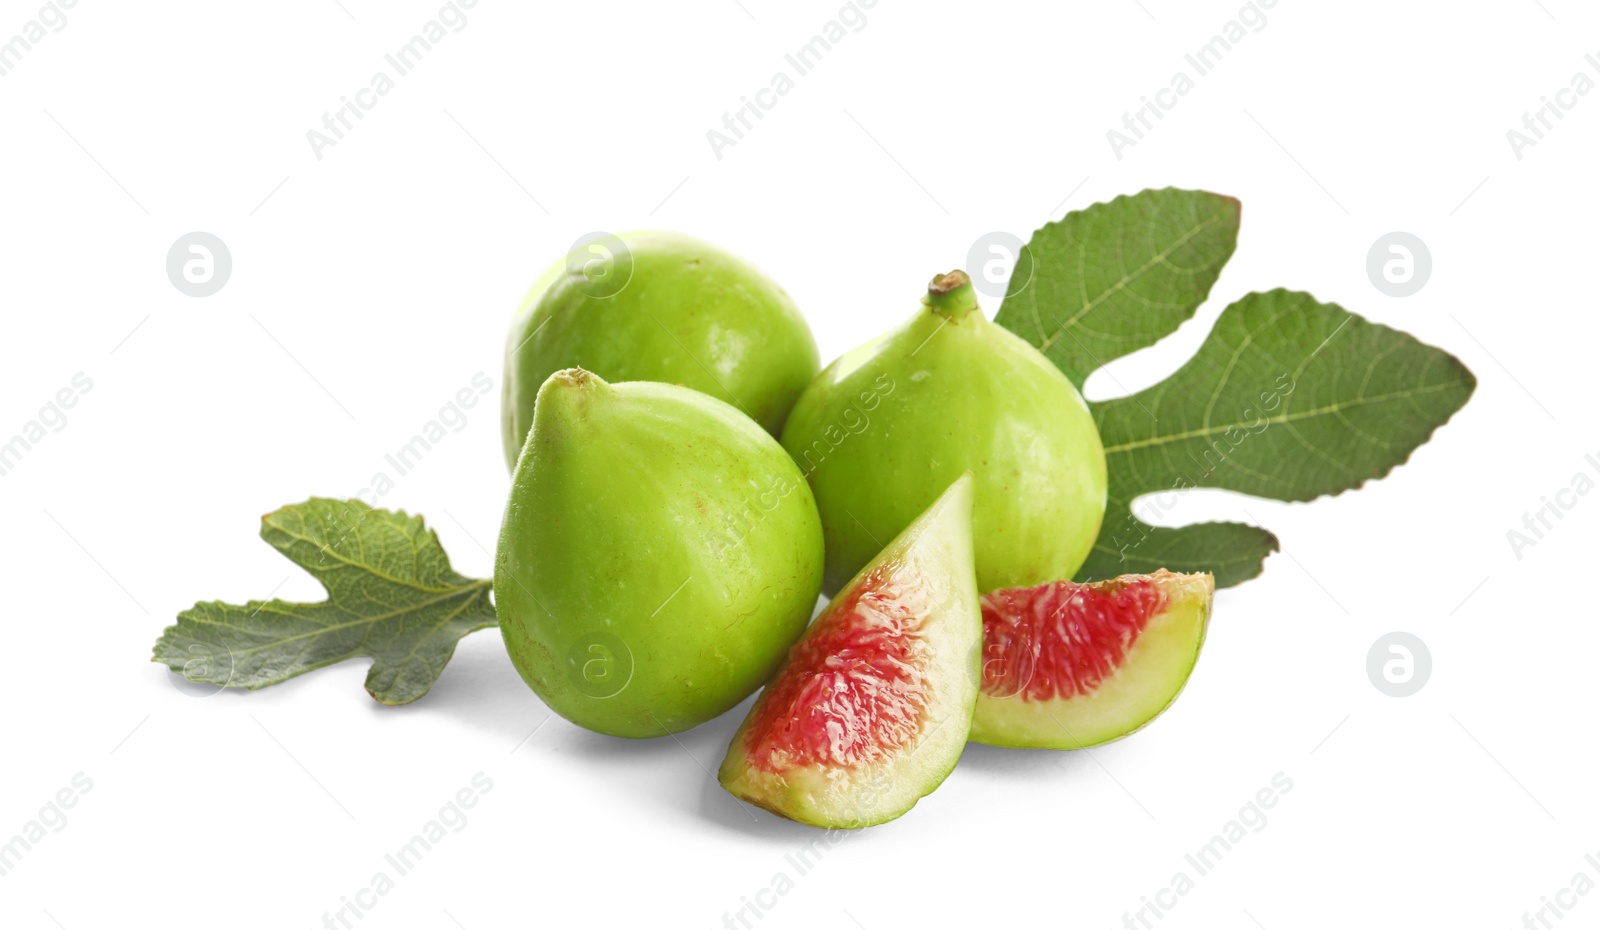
(392, 597)
(1117, 277)
(1288, 399)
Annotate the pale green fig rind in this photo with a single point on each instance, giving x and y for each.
(664, 518)
(886, 427)
(936, 549)
(1151, 677)
(690, 314)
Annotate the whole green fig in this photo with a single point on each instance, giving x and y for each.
(657, 306)
(659, 554)
(888, 426)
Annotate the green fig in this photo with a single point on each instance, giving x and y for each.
(664, 307)
(659, 554)
(888, 426)
(872, 707)
(1068, 665)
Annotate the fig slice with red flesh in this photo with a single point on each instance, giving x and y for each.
(872, 706)
(1068, 665)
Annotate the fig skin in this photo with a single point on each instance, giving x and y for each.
(659, 555)
(689, 313)
(888, 426)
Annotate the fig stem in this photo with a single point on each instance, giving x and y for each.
(951, 295)
(577, 377)
(570, 386)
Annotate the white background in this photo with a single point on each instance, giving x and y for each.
(370, 286)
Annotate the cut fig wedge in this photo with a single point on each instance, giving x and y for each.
(872, 706)
(1068, 665)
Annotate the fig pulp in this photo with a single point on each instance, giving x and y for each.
(872, 707)
(885, 428)
(1068, 665)
(659, 307)
(659, 554)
